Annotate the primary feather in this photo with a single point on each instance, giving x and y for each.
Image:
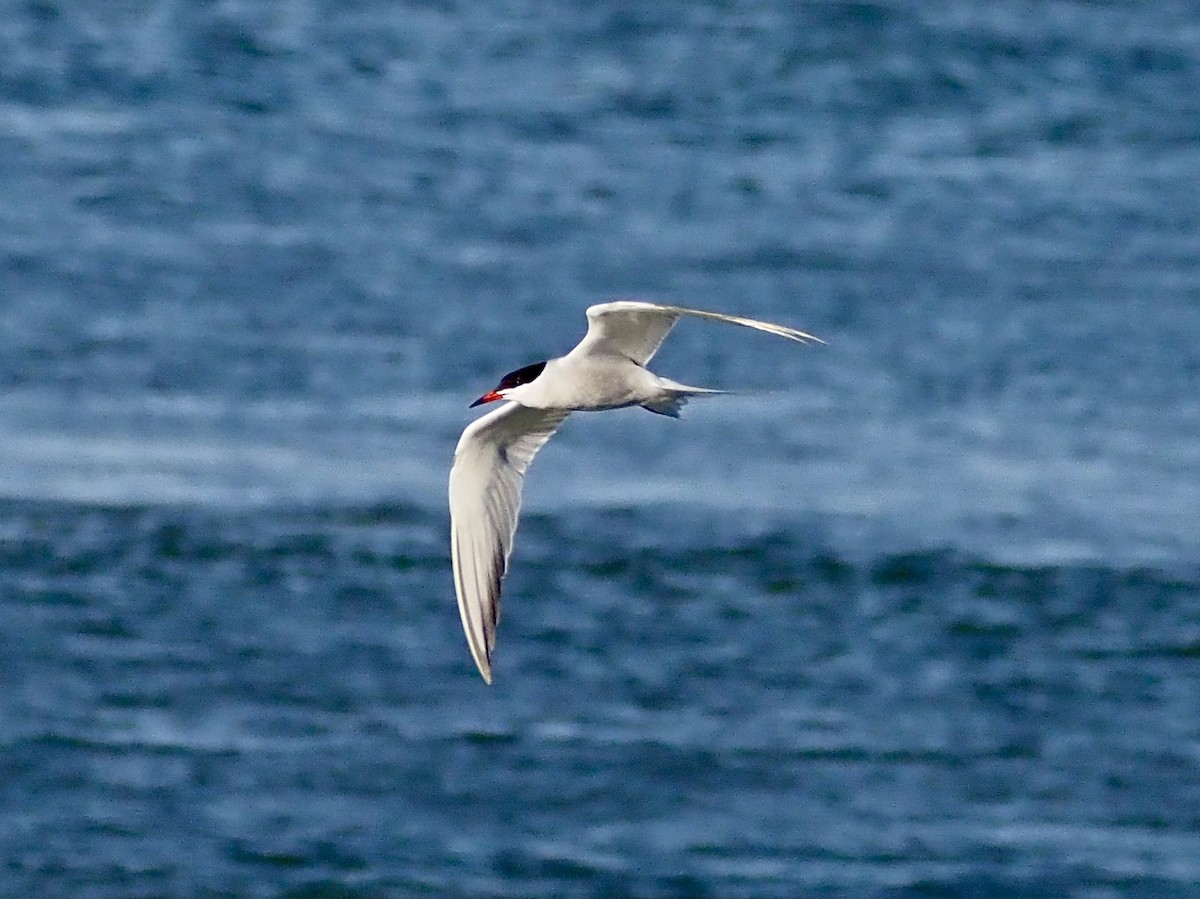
(485, 502)
(636, 329)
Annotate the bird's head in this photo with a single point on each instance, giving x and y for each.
(511, 382)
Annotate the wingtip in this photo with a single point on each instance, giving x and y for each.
(798, 335)
(484, 663)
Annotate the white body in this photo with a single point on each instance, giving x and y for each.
(605, 371)
(590, 382)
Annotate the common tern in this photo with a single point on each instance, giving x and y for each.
(605, 371)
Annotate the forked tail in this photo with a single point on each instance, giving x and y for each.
(675, 397)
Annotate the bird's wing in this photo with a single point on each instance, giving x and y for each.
(485, 500)
(636, 330)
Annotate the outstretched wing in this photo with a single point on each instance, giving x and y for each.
(636, 330)
(485, 501)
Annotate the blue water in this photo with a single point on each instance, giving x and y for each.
(916, 613)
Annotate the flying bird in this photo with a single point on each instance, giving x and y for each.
(606, 370)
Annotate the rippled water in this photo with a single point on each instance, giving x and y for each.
(915, 613)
